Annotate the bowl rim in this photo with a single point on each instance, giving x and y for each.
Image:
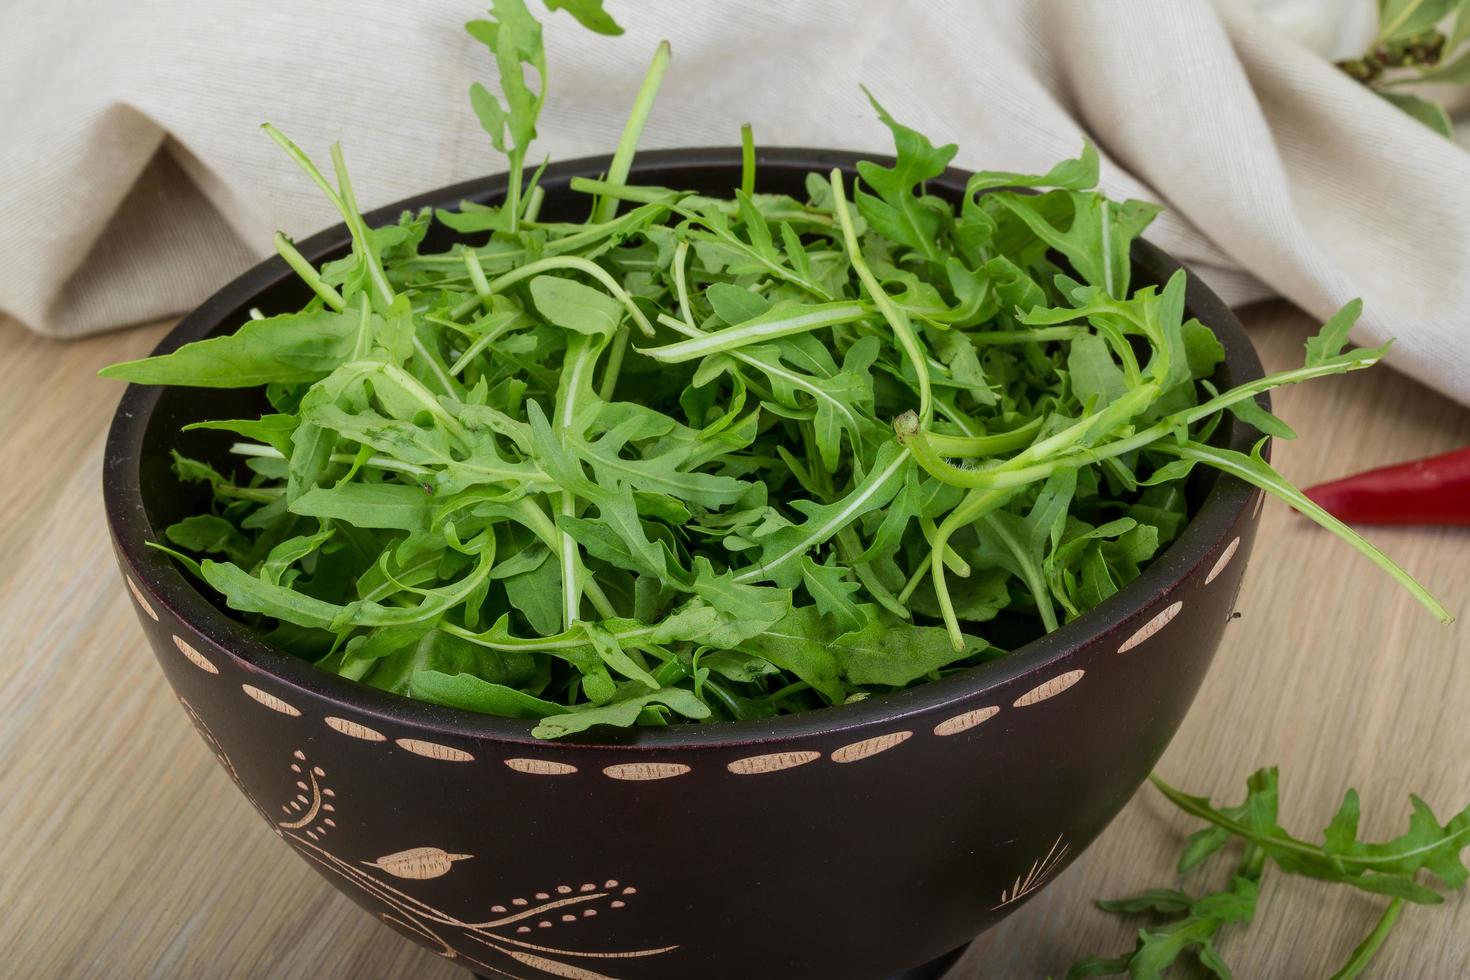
(1219, 512)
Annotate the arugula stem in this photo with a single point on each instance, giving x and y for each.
(436, 367)
(477, 275)
(363, 344)
(483, 341)
(616, 350)
(681, 286)
(952, 559)
(375, 461)
(688, 328)
(747, 159)
(1355, 360)
(986, 445)
(579, 264)
(992, 337)
(262, 495)
(975, 505)
(516, 159)
(899, 321)
(796, 687)
(761, 329)
(849, 548)
(308, 272)
(1262, 475)
(362, 238)
(626, 192)
(304, 162)
(1369, 947)
(422, 395)
(533, 205)
(920, 572)
(566, 640)
(689, 204)
(815, 535)
(1040, 592)
(1200, 808)
(622, 161)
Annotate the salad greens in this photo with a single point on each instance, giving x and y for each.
(1191, 924)
(704, 457)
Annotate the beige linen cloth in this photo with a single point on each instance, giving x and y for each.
(134, 180)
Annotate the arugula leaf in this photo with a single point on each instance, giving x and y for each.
(1387, 868)
(384, 505)
(589, 14)
(284, 349)
(782, 549)
(1429, 113)
(868, 656)
(473, 694)
(622, 712)
(832, 592)
(1398, 19)
(897, 212)
(209, 534)
(570, 304)
(1328, 342)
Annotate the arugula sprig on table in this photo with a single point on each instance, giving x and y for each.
(1189, 924)
(1417, 41)
(699, 458)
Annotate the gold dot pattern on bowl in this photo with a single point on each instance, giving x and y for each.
(745, 766)
(1222, 561)
(433, 750)
(353, 729)
(869, 747)
(754, 765)
(966, 721)
(1049, 689)
(1151, 627)
(139, 597)
(194, 656)
(271, 701)
(642, 771)
(541, 767)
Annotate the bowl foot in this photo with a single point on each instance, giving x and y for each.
(933, 970)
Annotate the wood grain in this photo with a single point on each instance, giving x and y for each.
(127, 852)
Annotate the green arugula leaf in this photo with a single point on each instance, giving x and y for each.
(473, 694)
(571, 305)
(285, 349)
(1398, 19)
(782, 550)
(1380, 868)
(387, 505)
(589, 14)
(897, 211)
(622, 712)
(833, 592)
(1431, 114)
(209, 534)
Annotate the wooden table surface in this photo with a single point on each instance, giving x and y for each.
(126, 852)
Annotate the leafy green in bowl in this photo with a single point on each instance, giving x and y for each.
(699, 458)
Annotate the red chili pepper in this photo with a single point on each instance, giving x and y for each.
(1427, 491)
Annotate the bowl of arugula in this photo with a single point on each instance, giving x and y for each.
(714, 562)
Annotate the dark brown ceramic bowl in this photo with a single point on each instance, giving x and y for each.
(851, 843)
